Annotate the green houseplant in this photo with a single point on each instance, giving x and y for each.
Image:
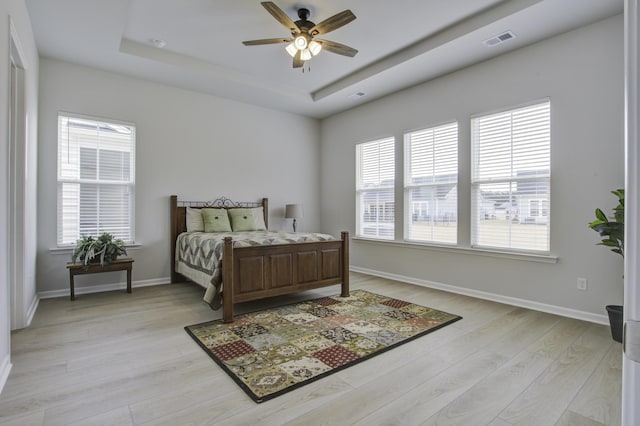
(104, 249)
(612, 233)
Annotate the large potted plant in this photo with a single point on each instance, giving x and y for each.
(104, 249)
(612, 233)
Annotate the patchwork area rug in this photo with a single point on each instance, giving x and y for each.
(276, 350)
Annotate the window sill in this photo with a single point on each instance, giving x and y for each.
(69, 249)
(529, 257)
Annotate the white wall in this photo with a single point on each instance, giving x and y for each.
(196, 146)
(581, 72)
(16, 11)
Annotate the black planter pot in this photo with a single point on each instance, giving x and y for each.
(615, 320)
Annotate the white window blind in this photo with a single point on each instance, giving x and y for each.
(431, 184)
(96, 178)
(375, 181)
(511, 179)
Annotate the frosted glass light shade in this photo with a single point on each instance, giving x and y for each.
(305, 55)
(291, 49)
(300, 42)
(315, 47)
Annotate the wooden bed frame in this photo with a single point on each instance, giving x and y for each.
(257, 272)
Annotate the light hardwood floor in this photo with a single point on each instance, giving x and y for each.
(124, 359)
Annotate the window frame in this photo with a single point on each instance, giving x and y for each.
(476, 183)
(409, 186)
(379, 188)
(129, 183)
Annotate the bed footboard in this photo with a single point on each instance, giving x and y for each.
(251, 273)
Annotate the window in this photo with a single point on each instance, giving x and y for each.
(510, 179)
(431, 184)
(375, 177)
(534, 208)
(96, 178)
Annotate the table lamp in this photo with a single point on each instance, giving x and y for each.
(293, 211)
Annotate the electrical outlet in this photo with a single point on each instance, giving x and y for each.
(582, 284)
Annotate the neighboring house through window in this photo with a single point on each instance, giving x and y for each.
(375, 182)
(96, 178)
(511, 178)
(431, 184)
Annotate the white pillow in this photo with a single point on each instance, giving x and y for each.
(258, 216)
(194, 220)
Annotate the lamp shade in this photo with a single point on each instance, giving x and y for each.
(315, 47)
(293, 211)
(305, 55)
(291, 49)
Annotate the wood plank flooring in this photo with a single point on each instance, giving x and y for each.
(124, 359)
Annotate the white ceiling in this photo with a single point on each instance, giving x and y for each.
(400, 43)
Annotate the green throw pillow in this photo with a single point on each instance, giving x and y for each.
(216, 220)
(250, 219)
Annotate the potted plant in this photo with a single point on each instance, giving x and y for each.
(612, 233)
(104, 249)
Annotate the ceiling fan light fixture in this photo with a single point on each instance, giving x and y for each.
(300, 42)
(301, 45)
(315, 47)
(291, 49)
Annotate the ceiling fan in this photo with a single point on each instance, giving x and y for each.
(302, 44)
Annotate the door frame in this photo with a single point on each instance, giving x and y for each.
(631, 369)
(16, 170)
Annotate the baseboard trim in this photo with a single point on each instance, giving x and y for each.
(5, 369)
(103, 287)
(523, 303)
(32, 309)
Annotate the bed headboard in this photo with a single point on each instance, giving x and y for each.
(179, 218)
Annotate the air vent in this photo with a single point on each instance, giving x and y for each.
(357, 95)
(500, 38)
(159, 43)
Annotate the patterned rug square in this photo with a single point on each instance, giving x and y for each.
(277, 350)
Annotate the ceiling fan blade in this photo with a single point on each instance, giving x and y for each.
(333, 23)
(340, 49)
(279, 14)
(297, 62)
(266, 41)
